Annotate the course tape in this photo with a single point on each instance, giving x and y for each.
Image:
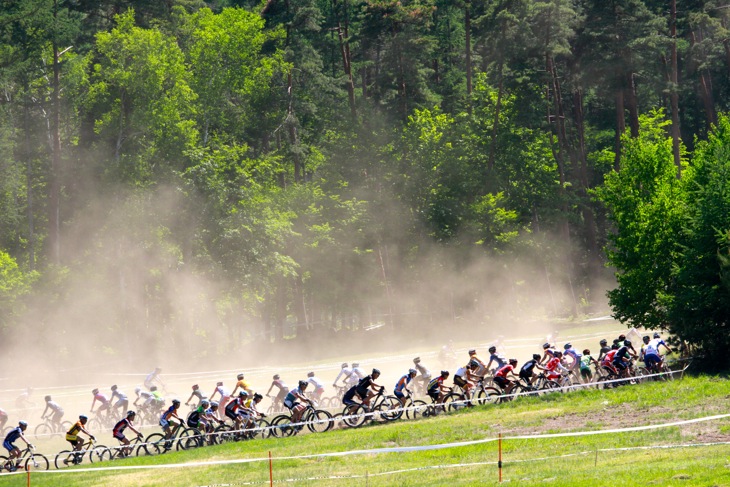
(441, 446)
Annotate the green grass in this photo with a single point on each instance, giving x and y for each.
(548, 461)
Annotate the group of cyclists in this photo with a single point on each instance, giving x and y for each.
(356, 388)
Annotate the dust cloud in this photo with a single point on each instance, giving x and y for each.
(132, 303)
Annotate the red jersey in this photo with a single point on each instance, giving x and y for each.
(552, 363)
(608, 358)
(504, 370)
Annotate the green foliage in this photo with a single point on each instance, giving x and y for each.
(14, 284)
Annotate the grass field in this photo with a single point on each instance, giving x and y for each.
(575, 460)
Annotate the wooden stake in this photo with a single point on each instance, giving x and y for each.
(499, 463)
(271, 471)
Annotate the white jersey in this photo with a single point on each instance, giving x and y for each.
(357, 374)
(652, 348)
(316, 383)
(461, 372)
(222, 391)
(346, 372)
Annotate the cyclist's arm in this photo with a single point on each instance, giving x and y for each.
(44, 412)
(270, 387)
(213, 395)
(92, 405)
(84, 430)
(22, 437)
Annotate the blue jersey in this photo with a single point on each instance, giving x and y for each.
(403, 382)
(13, 435)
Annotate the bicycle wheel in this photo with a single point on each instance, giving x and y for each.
(389, 409)
(356, 418)
(223, 434)
(154, 444)
(281, 426)
(319, 421)
(416, 409)
(262, 429)
(492, 395)
(64, 459)
(36, 461)
(187, 439)
(43, 430)
(99, 453)
(335, 402)
(667, 371)
(455, 402)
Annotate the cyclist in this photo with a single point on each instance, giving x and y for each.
(344, 371)
(526, 371)
(574, 365)
(291, 401)
(622, 358)
(153, 377)
(170, 413)
(14, 451)
(650, 352)
(251, 412)
(225, 395)
(497, 358)
(122, 401)
(72, 436)
(585, 366)
(548, 352)
(157, 402)
(604, 349)
(145, 396)
(436, 389)
(56, 412)
(357, 374)
(105, 404)
(118, 431)
(195, 416)
(196, 393)
(465, 377)
(500, 377)
(425, 375)
(367, 388)
(402, 385)
(446, 354)
(243, 385)
(318, 386)
(283, 390)
(23, 400)
(480, 367)
(213, 412)
(232, 409)
(554, 366)
(3, 418)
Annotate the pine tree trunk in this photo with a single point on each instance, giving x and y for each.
(632, 104)
(54, 204)
(674, 87)
(467, 51)
(620, 127)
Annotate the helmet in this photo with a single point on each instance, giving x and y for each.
(567, 346)
(114, 387)
(344, 365)
(243, 394)
(444, 373)
(627, 343)
(153, 388)
(302, 384)
(417, 360)
(536, 356)
(376, 371)
(310, 374)
(131, 414)
(472, 352)
(646, 338)
(355, 364)
(558, 353)
(257, 397)
(175, 402)
(277, 377)
(95, 391)
(204, 403)
(196, 387)
(513, 360)
(603, 342)
(621, 337)
(214, 404)
(157, 369)
(657, 335)
(545, 346)
(48, 398)
(219, 383)
(412, 371)
(586, 352)
(614, 346)
(83, 417)
(492, 349)
(137, 390)
(239, 377)
(22, 424)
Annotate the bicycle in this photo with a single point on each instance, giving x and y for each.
(412, 408)
(49, 428)
(96, 453)
(102, 420)
(135, 447)
(316, 420)
(226, 432)
(157, 443)
(276, 406)
(28, 458)
(336, 400)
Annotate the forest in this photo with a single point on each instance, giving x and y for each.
(190, 175)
